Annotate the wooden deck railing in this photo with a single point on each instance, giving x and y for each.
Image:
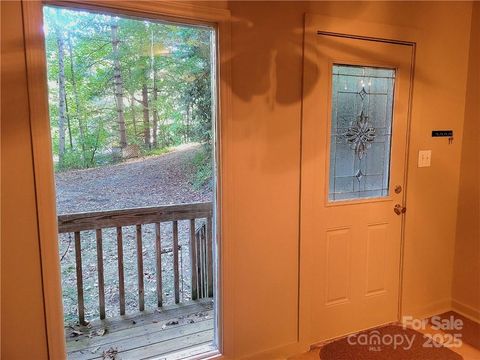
(200, 244)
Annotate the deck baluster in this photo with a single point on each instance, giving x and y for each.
(176, 277)
(202, 261)
(198, 269)
(78, 266)
(101, 281)
(141, 290)
(209, 250)
(121, 276)
(193, 260)
(158, 252)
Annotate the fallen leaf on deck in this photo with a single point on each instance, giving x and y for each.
(110, 353)
(76, 333)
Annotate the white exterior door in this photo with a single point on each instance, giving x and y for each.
(354, 142)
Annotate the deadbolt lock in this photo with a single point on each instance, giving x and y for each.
(399, 209)
(398, 189)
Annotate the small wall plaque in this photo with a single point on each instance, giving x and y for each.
(442, 133)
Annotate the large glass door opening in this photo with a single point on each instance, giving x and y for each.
(132, 105)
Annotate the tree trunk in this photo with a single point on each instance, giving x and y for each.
(134, 116)
(155, 112)
(69, 125)
(77, 102)
(146, 121)
(118, 87)
(187, 124)
(61, 96)
(155, 94)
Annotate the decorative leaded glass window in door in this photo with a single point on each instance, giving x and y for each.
(361, 132)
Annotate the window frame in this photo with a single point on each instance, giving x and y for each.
(170, 11)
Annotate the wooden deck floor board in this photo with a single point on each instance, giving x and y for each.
(151, 336)
(208, 349)
(138, 330)
(165, 347)
(145, 335)
(139, 318)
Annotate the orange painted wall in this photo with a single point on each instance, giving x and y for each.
(264, 145)
(466, 276)
(23, 322)
(267, 75)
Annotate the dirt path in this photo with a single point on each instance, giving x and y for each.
(151, 181)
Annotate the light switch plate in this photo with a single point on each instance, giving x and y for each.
(424, 158)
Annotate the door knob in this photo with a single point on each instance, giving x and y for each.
(399, 209)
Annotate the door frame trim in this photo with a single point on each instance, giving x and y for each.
(42, 151)
(314, 25)
(367, 38)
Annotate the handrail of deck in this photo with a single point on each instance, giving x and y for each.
(134, 216)
(200, 243)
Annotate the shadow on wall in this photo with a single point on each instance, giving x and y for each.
(267, 67)
(269, 50)
(268, 43)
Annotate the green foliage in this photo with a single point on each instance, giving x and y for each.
(172, 61)
(71, 160)
(155, 152)
(204, 168)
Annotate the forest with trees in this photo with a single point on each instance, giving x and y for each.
(121, 87)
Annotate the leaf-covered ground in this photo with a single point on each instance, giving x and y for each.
(150, 181)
